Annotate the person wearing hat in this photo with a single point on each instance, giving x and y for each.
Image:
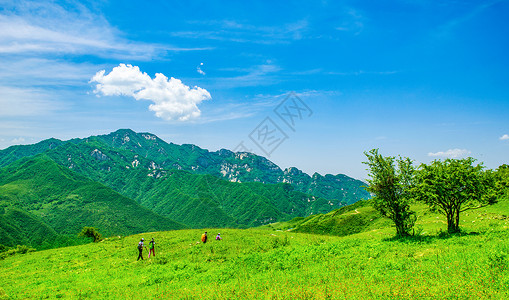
(218, 237)
(140, 249)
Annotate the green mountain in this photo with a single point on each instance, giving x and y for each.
(235, 167)
(193, 199)
(185, 183)
(129, 149)
(14, 153)
(207, 201)
(41, 201)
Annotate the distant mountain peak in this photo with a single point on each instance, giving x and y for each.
(131, 150)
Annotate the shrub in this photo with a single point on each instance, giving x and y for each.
(91, 232)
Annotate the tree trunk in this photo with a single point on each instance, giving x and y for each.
(400, 229)
(457, 221)
(450, 222)
(453, 222)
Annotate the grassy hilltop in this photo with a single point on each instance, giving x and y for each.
(272, 264)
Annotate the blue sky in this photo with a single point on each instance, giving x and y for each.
(423, 79)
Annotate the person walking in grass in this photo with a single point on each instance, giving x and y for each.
(140, 249)
(218, 237)
(204, 237)
(151, 247)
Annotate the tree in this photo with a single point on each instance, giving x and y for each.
(502, 180)
(91, 232)
(391, 185)
(454, 186)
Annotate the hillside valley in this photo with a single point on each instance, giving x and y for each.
(41, 201)
(127, 182)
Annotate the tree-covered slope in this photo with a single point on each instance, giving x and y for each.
(193, 199)
(207, 201)
(237, 167)
(192, 185)
(14, 153)
(130, 149)
(40, 199)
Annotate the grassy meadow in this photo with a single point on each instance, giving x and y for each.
(267, 263)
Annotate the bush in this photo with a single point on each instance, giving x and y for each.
(91, 232)
(24, 249)
(21, 249)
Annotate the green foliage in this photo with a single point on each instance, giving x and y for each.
(502, 180)
(43, 205)
(19, 249)
(454, 186)
(91, 232)
(391, 186)
(13, 153)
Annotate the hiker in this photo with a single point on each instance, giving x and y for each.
(151, 247)
(140, 249)
(218, 237)
(204, 237)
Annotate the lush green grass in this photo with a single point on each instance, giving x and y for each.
(272, 264)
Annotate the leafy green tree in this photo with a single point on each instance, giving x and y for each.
(391, 183)
(502, 180)
(454, 186)
(91, 232)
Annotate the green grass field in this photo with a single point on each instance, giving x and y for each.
(272, 264)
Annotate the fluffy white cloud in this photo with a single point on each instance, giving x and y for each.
(172, 100)
(504, 137)
(451, 153)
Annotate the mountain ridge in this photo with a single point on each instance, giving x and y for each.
(235, 167)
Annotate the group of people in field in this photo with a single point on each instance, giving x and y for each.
(204, 237)
(152, 244)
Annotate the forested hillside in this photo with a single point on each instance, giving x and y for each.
(128, 149)
(127, 182)
(41, 201)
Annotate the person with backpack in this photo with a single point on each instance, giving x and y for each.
(151, 247)
(140, 249)
(204, 237)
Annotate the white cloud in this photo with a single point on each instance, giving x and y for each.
(477, 8)
(199, 70)
(18, 140)
(233, 31)
(45, 72)
(353, 22)
(172, 100)
(255, 76)
(504, 137)
(44, 27)
(19, 102)
(451, 153)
